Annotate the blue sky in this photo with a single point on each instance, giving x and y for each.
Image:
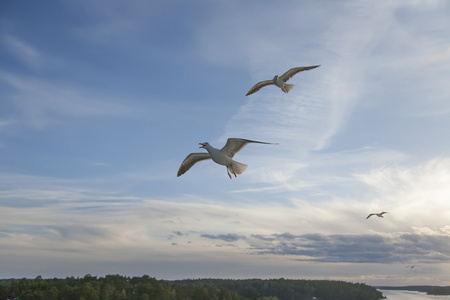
(100, 104)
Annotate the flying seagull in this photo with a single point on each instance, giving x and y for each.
(378, 215)
(223, 156)
(280, 81)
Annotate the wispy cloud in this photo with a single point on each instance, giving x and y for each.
(20, 49)
(42, 102)
(325, 97)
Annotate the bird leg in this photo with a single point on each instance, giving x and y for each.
(230, 168)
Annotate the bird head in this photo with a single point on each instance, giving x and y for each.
(275, 79)
(203, 145)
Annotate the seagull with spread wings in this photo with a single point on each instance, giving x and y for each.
(280, 81)
(380, 215)
(223, 156)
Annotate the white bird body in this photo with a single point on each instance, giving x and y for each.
(223, 159)
(280, 81)
(380, 215)
(223, 156)
(282, 84)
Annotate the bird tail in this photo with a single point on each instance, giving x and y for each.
(238, 167)
(287, 87)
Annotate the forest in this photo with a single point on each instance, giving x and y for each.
(117, 287)
(429, 289)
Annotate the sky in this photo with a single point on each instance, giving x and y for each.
(102, 101)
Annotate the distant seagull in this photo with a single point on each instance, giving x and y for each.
(378, 215)
(280, 81)
(223, 156)
(411, 267)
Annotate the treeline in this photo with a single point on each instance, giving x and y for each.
(290, 289)
(417, 288)
(440, 290)
(116, 287)
(429, 289)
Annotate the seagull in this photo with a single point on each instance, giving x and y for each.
(378, 215)
(281, 80)
(223, 156)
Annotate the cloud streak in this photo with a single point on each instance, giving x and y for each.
(20, 49)
(369, 248)
(42, 102)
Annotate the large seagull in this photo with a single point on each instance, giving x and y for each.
(280, 81)
(223, 156)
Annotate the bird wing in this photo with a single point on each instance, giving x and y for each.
(234, 145)
(384, 212)
(191, 160)
(258, 86)
(289, 74)
(370, 216)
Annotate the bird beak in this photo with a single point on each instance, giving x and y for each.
(202, 145)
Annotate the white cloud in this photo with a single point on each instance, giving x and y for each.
(89, 222)
(417, 194)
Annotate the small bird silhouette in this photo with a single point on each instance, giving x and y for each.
(380, 215)
(280, 81)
